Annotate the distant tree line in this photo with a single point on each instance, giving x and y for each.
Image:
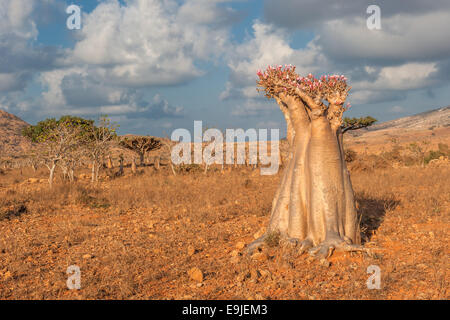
(66, 142)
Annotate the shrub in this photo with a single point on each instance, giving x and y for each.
(14, 209)
(432, 155)
(443, 151)
(86, 197)
(350, 155)
(272, 239)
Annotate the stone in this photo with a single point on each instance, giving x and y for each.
(325, 263)
(240, 245)
(258, 234)
(190, 251)
(235, 260)
(234, 253)
(259, 256)
(196, 274)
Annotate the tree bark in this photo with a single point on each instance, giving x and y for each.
(314, 204)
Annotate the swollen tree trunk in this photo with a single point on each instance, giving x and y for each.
(314, 205)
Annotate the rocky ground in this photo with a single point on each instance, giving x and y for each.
(159, 236)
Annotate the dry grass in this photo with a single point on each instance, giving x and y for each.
(136, 237)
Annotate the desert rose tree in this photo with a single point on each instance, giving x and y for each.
(314, 206)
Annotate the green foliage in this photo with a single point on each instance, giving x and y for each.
(104, 130)
(443, 151)
(357, 123)
(45, 130)
(140, 144)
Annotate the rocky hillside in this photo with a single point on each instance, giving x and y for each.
(11, 140)
(421, 121)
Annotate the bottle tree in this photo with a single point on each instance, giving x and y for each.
(314, 206)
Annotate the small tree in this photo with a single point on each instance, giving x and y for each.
(357, 123)
(58, 141)
(140, 145)
(98, 141)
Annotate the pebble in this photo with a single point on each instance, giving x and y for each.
(240, 245)
(190, 251)
(196, 274)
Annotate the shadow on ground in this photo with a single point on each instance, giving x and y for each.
(371, 212)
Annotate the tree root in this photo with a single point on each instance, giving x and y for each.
(321, 251)
(255, 245)
(327, 248)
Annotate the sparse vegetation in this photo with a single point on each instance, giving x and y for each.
(137, 236)
(134, 225)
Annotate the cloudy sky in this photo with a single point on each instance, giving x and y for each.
(157, 65)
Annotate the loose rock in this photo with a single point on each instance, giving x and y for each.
(196, 274)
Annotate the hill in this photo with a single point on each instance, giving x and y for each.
(11, 140)
(421, 121)
(430, 128)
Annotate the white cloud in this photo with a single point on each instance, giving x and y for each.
(402, 37)
(15, 19)
(268, 46)
(391, 83)
(74, 91)
(253, 107)
(150, 42)
(20, 59)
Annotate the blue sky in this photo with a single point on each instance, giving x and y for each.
(157, 65)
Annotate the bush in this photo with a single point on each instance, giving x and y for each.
(189, 168)
(14, 209)
(86, 197)
(432, 155)
(350, 155)
(272, 239)
(443, 151)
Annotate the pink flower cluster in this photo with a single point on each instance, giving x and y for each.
(278, 71)
(309, 83)
(313, 84)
